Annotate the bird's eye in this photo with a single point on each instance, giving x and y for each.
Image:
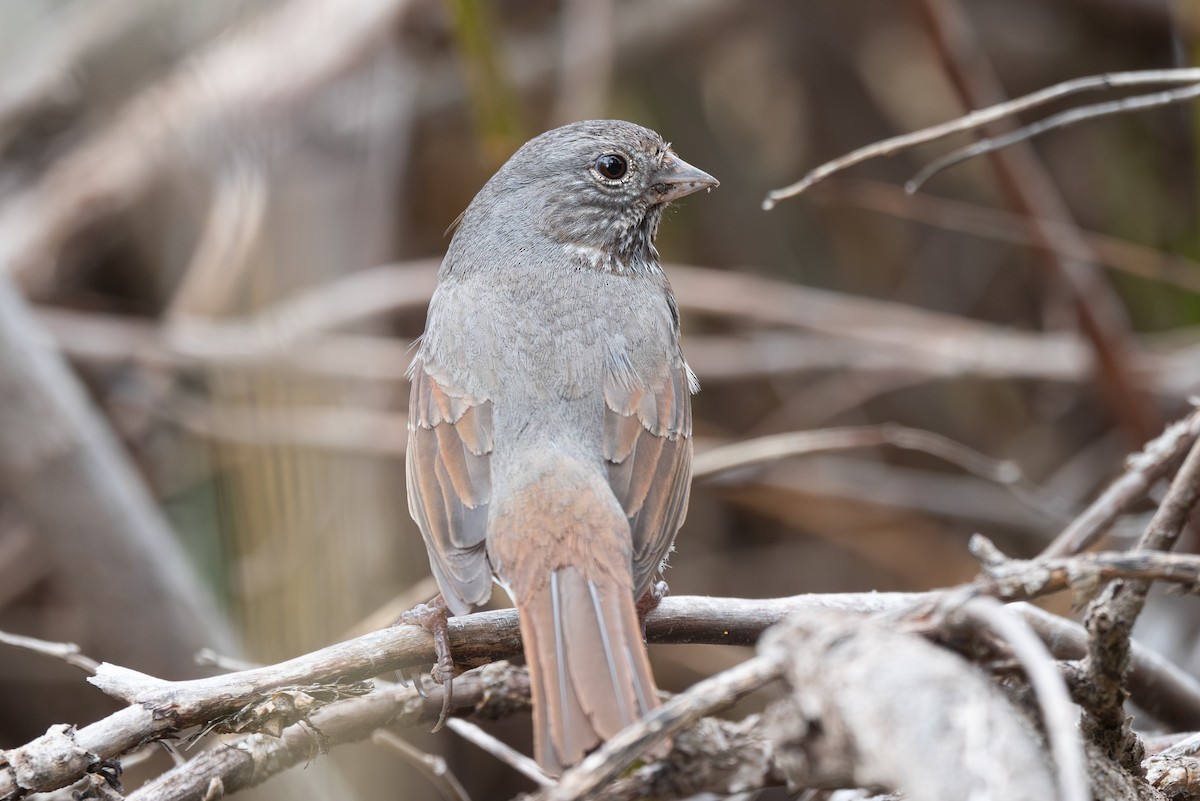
(612, 166)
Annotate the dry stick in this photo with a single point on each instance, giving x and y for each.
(160, 708)
(1110, 619)
(1029, 188)
(980, 118)
(1058, 712)
(501, 751)
(251, 759)
(1142, 470)
(68, 652)
(1014, 579)
(1159, 686)
(431, 767)
(636, 740)
(1061, 120)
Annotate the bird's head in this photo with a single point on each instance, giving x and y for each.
(596, 187)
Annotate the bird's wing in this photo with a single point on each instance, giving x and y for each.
(648, 446)
(449, 485)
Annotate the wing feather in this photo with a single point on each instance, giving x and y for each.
(449, 485)
(648, 447)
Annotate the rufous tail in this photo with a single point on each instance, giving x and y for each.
(588, 667)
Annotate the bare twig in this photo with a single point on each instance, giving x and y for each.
(68, 652)
(432, 767)
(250, 759)
(514, 759)
(1110, 619)
(1143, 469)
(1015, 579)
(980, 118)
(1029, 189)
(993, 143)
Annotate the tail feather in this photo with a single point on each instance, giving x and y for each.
(588, 668)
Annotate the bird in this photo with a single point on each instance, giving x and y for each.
(550, 417)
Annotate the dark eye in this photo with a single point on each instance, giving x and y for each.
(612, 166)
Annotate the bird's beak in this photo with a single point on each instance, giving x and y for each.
(675, 178)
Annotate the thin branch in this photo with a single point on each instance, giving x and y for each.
(1017, 579)
(1029, 188)
(1111, 617)
(250, 759)
(68, 652)
(1150, 464)
(431, 767)
(1060, 120)
(980, 118)
(501, 751)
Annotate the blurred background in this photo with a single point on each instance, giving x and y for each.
(226, 218)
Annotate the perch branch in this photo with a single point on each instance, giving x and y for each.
(160, 709)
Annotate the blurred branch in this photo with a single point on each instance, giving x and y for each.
(862, 333)
(431, 767)
(333, 428)
(200, 103)
(778, 446)
(63, 469)
(1005, 226)
(588, 53)
(1029, 189)
(44, 73)
(234, 224)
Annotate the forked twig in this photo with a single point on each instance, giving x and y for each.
(980, 118)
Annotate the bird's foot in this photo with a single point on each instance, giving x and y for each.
(434, 617)
(650, 601)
